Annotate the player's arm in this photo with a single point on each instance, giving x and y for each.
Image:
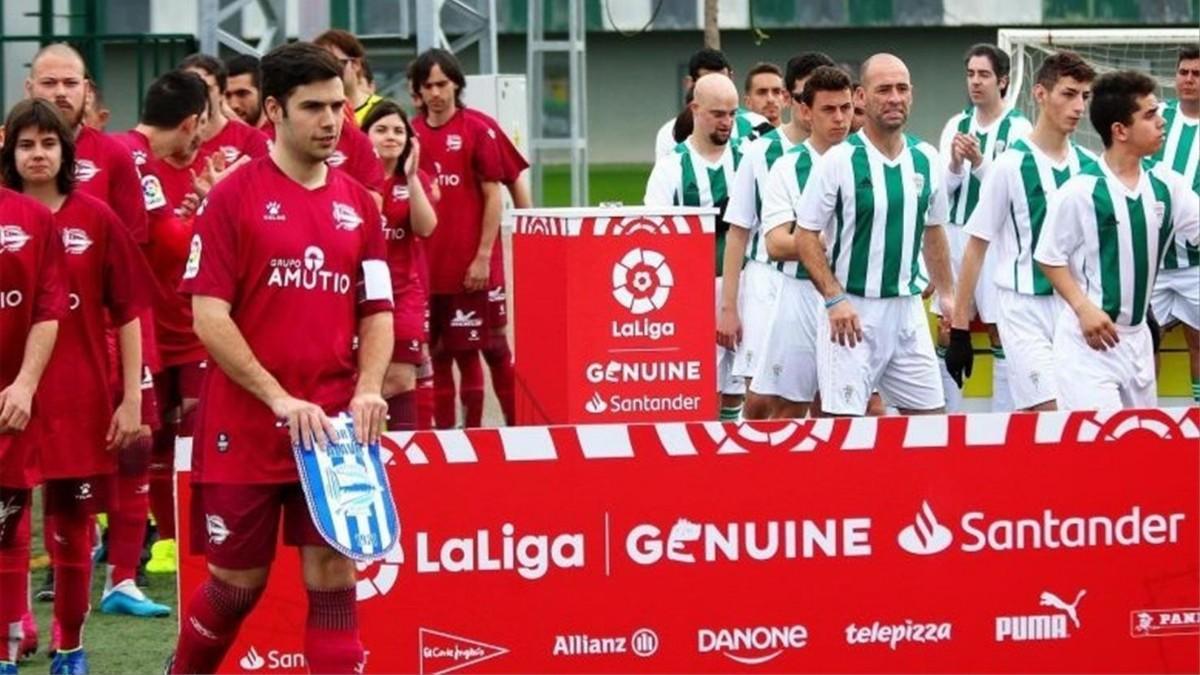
(935, 247)
(817, 209)
(127, 418)
(990, 214)
(16, 400)
(741, 216)
(948, 150)
(375, 340)
(422, 216)
(519, 191)
(779, 212)
(480, 269)
(661, 186)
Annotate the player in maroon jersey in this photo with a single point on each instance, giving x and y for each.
(285, 244)
(224, 140)
(242, 92)
(408, 215)
(80, 432)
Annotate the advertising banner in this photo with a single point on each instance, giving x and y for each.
(1056, 542)
(615, 315)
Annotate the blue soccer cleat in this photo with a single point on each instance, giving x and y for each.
(8, 668)
(126, 598)
(73, 662)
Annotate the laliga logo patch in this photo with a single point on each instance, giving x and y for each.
(12, 238)
(642, 281)
(152, 192)
(193, 262)
(85, 170)
(75, 240)
(345, 217)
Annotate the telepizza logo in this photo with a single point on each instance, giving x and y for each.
(642, 281)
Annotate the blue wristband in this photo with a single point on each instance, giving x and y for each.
(835, 300)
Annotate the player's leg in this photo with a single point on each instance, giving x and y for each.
(424, 400)
(496, 352)
(792, 347)
(1186, 309)
(71, 505)
(14, 569)
(910, 379)
(957, 240)
(1026, 325)
(162, 469)
(1192, 337)
(1135, 354)
(400, 391)
(758, 293)
(1086, 378)
(846, 375)
(986, 308)
(731, 390)
(444, 392)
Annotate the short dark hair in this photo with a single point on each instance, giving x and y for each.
(209, 64)
(243, 64)
(1188, 52)
(342, 39)
(368, 74)
(1115, 99)
(383, 109)
(422, 66)
(295, 65)
(1001, 64)
(1062, 64)
(824, 78)
(707, 59)
(759, 69)
(801, 66)
(37, 113)
(174, 97)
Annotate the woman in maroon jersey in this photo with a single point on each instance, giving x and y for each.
(407, 211)
(80, 432)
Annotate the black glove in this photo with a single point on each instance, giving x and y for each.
(960, 355)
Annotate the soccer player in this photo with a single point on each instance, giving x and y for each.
(765, 93)
(350, 52)
(699, 173)
(1010, 213)
(970, 143)
(879, 200)
(787, 369)
(284, 242)
(225, 140)
(79, 430)
(1106, 232)
(242, 90)
(745, 309)
(33, 302)
(96, 112)
(408, 214)
(460, 152)
(1176, 296)
(747, 124)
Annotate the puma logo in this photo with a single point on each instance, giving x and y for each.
(1049, 599)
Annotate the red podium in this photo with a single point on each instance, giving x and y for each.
(613, 312)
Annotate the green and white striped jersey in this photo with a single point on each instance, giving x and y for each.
(1180, 152)
(1113, 238)
(744, 125)
(750, 184)
(785, 187)
(873, 212)
(962, 188)
(1012, 210)
(685, 178)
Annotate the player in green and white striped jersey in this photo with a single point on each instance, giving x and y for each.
(747, 124)
(787, 369)
(1105, 234)
(1009, 215)
(971, 140)
(1176, 297)
(880, 202)
(748, 293)
(699, 173)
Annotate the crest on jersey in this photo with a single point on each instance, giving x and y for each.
(85, 170)
(399, 192)
(337, 159)
(1159, 210)
(13, 238)
(1000, 145)
(345, 217)
(918, 182)
(231, 153)
(346, 487)
(75, 240)
(152, 192)
(453, 142)
(193, 262)
(139, 157)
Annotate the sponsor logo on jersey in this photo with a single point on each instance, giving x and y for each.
(446, 179)
(643, 643)
(139, 157)
(10, 299)
(345, 217)
(84, 493)
(690, 542)
(894, 634)
(336, 159)
(1045, 626)
(13, 238)
(7, 510)
(754, 645)
(231, 153)
(469, 319)
(531, 556)
(222, 442)
(85, 170)
(1162, 622)
(76, 240)
(918, 182)
(273, 211)
(308, 273)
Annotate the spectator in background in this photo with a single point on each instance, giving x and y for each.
(351, 55)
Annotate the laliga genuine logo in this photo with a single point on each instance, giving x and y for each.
(926, 536)
(642, 281)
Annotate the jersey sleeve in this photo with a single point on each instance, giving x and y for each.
(938, 213)
(664, 140)
(512, 162)
(128, 282)
(819, 201)
(780, 198)
(212, 258)
(945, 151)
(125, 195)
(1061, 234)
(51, 302)
(363, 164)
(660, 188)
(991, 211)
(255, 143)
(375, 279)
(742, 209)
(1186, 213)
(485, 156)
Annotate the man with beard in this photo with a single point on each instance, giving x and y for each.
(764, 93)
(231, 139)
(699, 172)
(242, 92)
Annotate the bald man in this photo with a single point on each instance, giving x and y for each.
(699, 172)
(879, 200)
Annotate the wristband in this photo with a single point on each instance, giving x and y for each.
(835, 300)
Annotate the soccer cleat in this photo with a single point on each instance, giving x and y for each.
(73, 662)
(162, 557)
(45, 592)
(126, 598)
(29, 637)
(8, 668)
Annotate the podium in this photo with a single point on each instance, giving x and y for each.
(614, 314)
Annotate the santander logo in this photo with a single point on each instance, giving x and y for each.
(252, 661)
(926, 536)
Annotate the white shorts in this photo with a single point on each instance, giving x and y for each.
(1176, 297)
(1026, 324)
(727, 382)
(896, 356)
(1089, 379)
(985, 286)
(756, 298)
(788, 365)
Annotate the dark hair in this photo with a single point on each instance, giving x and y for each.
(422, 66)
(174, 97)
(1063, 64)
(295, 65)
(1001, 64)
(824, 78)
(707, 59)
(242, 64)
(37, 113)
(759, 69)
(368, 74)
(209, 64)
(802, 65)
(344, 40)
(1188, 52)
(383, 109)
(97, 95)
(1115, 99)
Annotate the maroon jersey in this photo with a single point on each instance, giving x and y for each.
(406, 260)
(299, 268)
(512, 162)
(236, 140)
(104, 170)
(32, 289)
(460, 155)
(105, 275)
(354, 154)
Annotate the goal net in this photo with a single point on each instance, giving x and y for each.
(1151, 50)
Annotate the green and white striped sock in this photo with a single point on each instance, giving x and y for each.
(1196, 391)
(997, 352)
(731, 414)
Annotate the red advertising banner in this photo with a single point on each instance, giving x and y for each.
(1057, 542)
(614, 315)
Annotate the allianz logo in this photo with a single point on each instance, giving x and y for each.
(986, 532)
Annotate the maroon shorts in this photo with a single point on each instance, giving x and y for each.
(458, 322)
(410, 324)
(407, 350)
(236, 526)
(175, 383)
(80, 496)
(14, 508)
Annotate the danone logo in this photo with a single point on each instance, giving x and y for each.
(642, 281)
(752, 646)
